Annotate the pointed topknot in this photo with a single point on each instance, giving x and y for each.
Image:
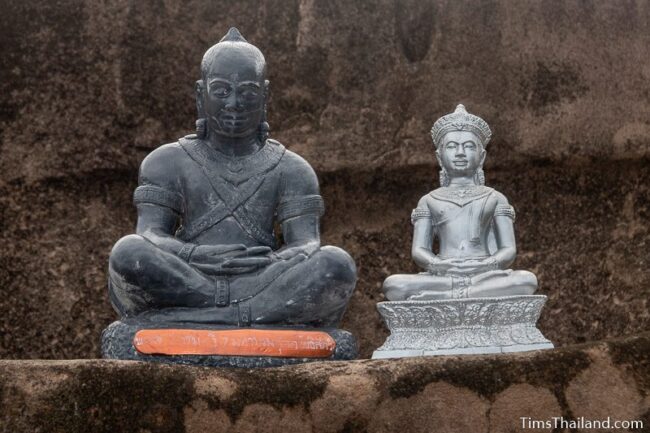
(233, 35)
(460, 108)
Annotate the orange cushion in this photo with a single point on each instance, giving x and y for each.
(235, 342)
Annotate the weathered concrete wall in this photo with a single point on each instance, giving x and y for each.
(88, 88)
(445, 394)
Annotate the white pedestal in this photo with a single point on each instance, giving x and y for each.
(462, 326)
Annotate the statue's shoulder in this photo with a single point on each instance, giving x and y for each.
(425, 201)
(499, 197)
(298, 174)
(434, 196)
(161, 163)
(295, 165)
(167, 153)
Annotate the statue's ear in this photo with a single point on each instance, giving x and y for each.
(200, 93)
(438, 157)
(483, 155)
(266, 88)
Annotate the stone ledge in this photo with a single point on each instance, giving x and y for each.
(443, 394)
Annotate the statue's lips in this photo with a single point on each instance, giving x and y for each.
(233, 118)
(461, 163)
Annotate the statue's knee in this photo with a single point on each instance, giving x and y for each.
(336, 264)
(526, 280)
(393, 288)
(126, 252)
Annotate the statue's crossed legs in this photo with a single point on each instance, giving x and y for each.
(153, 284)
(426, 286)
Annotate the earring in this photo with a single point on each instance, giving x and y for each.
(264, 128)
(444, 178)
(201, 128)
(479, 177)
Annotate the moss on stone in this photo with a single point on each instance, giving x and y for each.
(278, 387)
(125, 398)
(490, 375)
(110, 396)
(633, 354)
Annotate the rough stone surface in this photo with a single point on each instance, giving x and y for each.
(585, 396)
(439, 406)
(533, 402)
(355, 89)
(342, 401)
(444, 394)
(344, 76)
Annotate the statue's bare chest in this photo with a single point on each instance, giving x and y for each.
(254, 192)
(453, 214)
(218, 192)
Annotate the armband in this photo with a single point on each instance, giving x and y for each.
(307, 205)
(506, 210)
(156, 195)
(420, 213)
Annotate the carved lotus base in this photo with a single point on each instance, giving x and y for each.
(462, 326)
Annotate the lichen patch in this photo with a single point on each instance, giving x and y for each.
(347, 398)
(215, 386)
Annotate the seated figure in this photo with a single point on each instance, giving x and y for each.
(467, 301)
(205, 249)
(473, 223)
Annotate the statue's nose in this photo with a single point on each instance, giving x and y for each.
(460, 150)
(232, 101)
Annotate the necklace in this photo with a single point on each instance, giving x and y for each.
(461, 195)
(238, 169)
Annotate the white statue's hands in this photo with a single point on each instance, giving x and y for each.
(440, 266)
(472, 266)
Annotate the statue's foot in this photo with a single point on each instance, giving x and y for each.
(502, 283)
(430, 295)
(401, 287)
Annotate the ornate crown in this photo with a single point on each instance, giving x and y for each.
(460, 120)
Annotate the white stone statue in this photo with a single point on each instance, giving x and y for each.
(467, 283)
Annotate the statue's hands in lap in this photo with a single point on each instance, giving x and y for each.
(440, 266)
(229, 259)
(462, 266)
(306, 250)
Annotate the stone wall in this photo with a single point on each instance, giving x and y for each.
(444, 394)
(89, 88)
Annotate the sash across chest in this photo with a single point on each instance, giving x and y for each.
(233, 192)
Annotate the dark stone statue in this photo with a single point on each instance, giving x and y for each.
(206, 249)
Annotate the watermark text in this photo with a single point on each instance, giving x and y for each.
(558, 422)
